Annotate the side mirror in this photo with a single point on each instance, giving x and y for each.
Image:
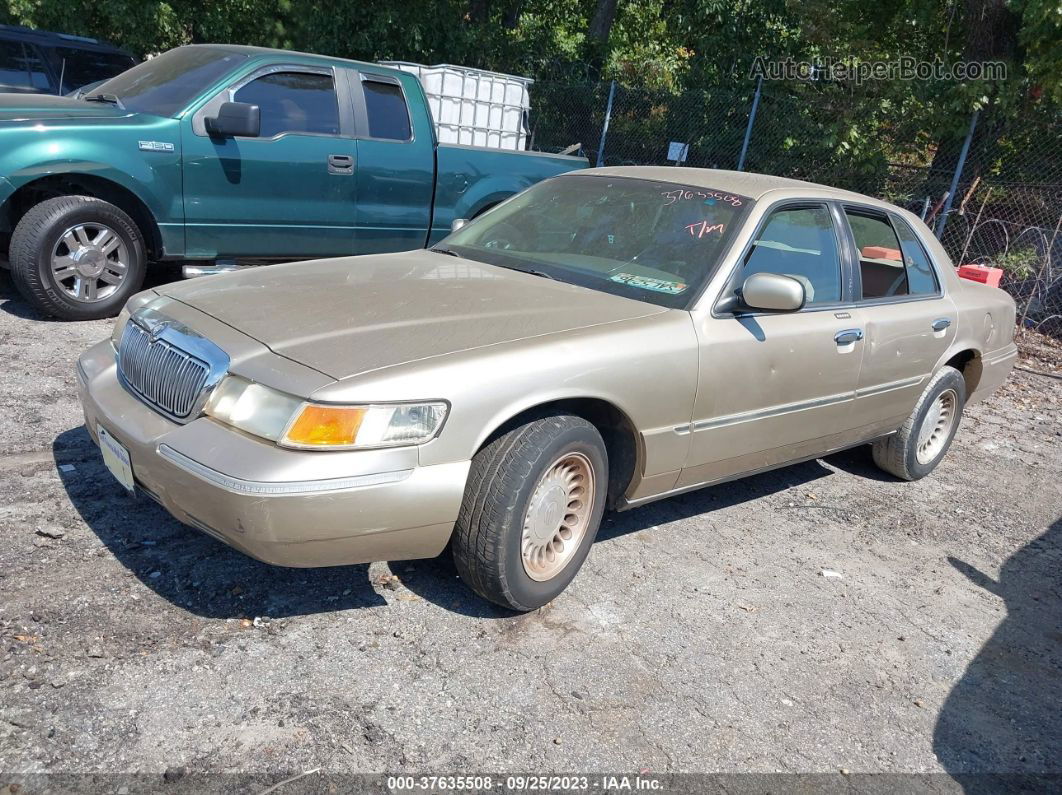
(236, 119)
(458, 223)
(773, 292)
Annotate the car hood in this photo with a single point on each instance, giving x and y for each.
(351, 315)
(48, 108)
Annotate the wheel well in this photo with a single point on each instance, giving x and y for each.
(50, 187)
(968, 363)
(484, 208)
(622, 441)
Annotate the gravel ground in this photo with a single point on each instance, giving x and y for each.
(703, 634)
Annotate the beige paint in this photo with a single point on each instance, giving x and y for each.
(709, 396)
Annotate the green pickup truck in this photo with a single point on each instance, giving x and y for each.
(209, 153)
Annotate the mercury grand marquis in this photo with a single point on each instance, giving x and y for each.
(598, 341)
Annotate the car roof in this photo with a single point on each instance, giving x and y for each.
(250, 50)
(53, 39)
(743, 183)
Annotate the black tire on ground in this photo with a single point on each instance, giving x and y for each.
(898, 454)
(35, 239)
(487, 539)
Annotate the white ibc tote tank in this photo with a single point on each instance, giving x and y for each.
(473, 106)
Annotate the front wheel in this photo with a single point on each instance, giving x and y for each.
(531, 511)
(923, 440)
(77, 258)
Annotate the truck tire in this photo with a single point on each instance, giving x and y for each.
(531, 511)
(77, 258)
(923, 440)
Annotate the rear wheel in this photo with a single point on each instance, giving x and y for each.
(923, 440)
(77, 257)
(531, 511)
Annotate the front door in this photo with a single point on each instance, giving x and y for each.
(909, 321)
(775, 387)
(290, 192)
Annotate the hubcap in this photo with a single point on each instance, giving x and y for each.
(937, 426)
(89, 262)
(557, 516)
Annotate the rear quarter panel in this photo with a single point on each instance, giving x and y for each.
(470, 179)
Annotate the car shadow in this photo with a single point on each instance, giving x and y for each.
(188, 567)
(437, 581)
(999, 728)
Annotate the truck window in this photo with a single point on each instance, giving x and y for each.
(297, 102)
(78, 68)
(387, 111)
(21, 68)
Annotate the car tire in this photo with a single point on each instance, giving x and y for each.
(923, 440)
(77, 258)
(531, 510)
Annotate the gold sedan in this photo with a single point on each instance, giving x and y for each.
(601, 340)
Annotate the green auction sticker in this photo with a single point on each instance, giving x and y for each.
(647, 283)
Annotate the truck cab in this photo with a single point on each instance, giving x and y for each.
(217, 153)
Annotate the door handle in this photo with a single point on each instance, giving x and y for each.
(340, 164)
(941, 323)
(848, 335)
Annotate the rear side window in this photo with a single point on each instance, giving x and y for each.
(21, 69)
(295, 102)
(387, 111)
(801, 243)
(921, 279)
(881, 263)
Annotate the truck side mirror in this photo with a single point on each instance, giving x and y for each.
(457, 224)
(236, 119)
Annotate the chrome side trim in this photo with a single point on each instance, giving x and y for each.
(760, 414)
(264, 488)
(889, 386)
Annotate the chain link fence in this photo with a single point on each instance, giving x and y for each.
(992, 195)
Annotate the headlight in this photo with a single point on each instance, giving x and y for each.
(293, 422)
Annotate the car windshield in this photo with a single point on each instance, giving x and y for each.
(652, 241)
(163, 86)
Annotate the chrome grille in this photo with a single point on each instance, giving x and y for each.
(160, 373)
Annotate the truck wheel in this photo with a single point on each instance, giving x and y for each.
(923, 440)
(77, 258)
(531, 510)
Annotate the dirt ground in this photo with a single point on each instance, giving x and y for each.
(706, 633)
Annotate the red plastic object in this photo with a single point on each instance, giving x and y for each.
(981, 273)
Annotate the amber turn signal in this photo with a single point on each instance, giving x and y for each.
(325, 426)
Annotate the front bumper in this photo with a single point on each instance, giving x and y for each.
(286, 507)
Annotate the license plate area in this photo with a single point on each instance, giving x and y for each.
(116, 457)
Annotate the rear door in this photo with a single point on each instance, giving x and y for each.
(290, 192)
(909, 321)
(396, 162)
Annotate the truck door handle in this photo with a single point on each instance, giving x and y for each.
(340, 164)
(941, 323)
(845, 336)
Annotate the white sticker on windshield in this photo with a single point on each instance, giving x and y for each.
(647, 283)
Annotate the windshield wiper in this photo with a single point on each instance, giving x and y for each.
(532, 271)
(110, 99)
(444, 250)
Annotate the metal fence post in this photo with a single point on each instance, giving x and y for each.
(604, 127)
(939, 231)
(748, 129)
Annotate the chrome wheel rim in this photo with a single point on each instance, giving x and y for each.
(558, 515)
(89, 262)
(937, 426)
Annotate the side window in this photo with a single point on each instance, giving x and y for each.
(387, 111)
(881, 266)
(800, 243)
(297, 102)
(21, 68)
(921, 279)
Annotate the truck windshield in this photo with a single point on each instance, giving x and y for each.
(164, 85)
(652, 241)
